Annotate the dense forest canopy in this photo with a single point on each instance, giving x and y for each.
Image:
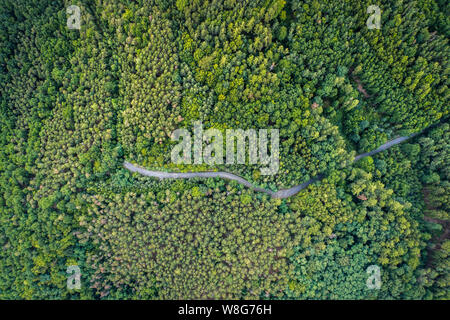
(75, 103)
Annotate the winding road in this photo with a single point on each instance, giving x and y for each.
(280, 194)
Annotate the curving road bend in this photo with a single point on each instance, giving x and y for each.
(280, 194)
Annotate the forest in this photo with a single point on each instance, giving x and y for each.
(76, 103)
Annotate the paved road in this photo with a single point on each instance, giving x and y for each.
(281, 194)
(385, 146)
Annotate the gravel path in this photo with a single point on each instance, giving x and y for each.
(281, 194)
